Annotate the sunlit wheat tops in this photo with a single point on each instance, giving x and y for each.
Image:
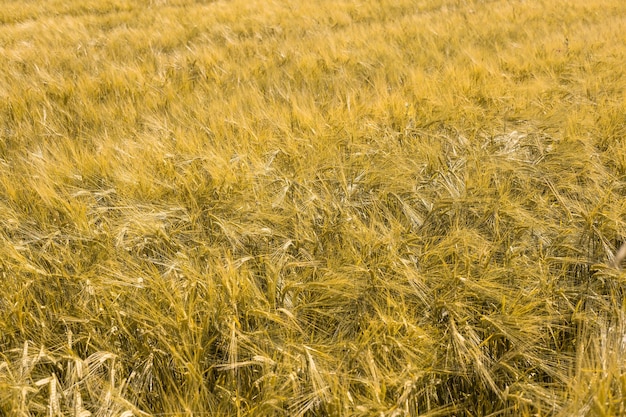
(312, 208)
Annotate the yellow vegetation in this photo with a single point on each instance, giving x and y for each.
(312, 208)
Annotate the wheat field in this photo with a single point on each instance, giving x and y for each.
(312, 208)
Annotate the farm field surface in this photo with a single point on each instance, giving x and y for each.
(312, 208)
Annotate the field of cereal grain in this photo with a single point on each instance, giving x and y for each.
(312, 208)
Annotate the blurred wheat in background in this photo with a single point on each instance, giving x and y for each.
(312, 208)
